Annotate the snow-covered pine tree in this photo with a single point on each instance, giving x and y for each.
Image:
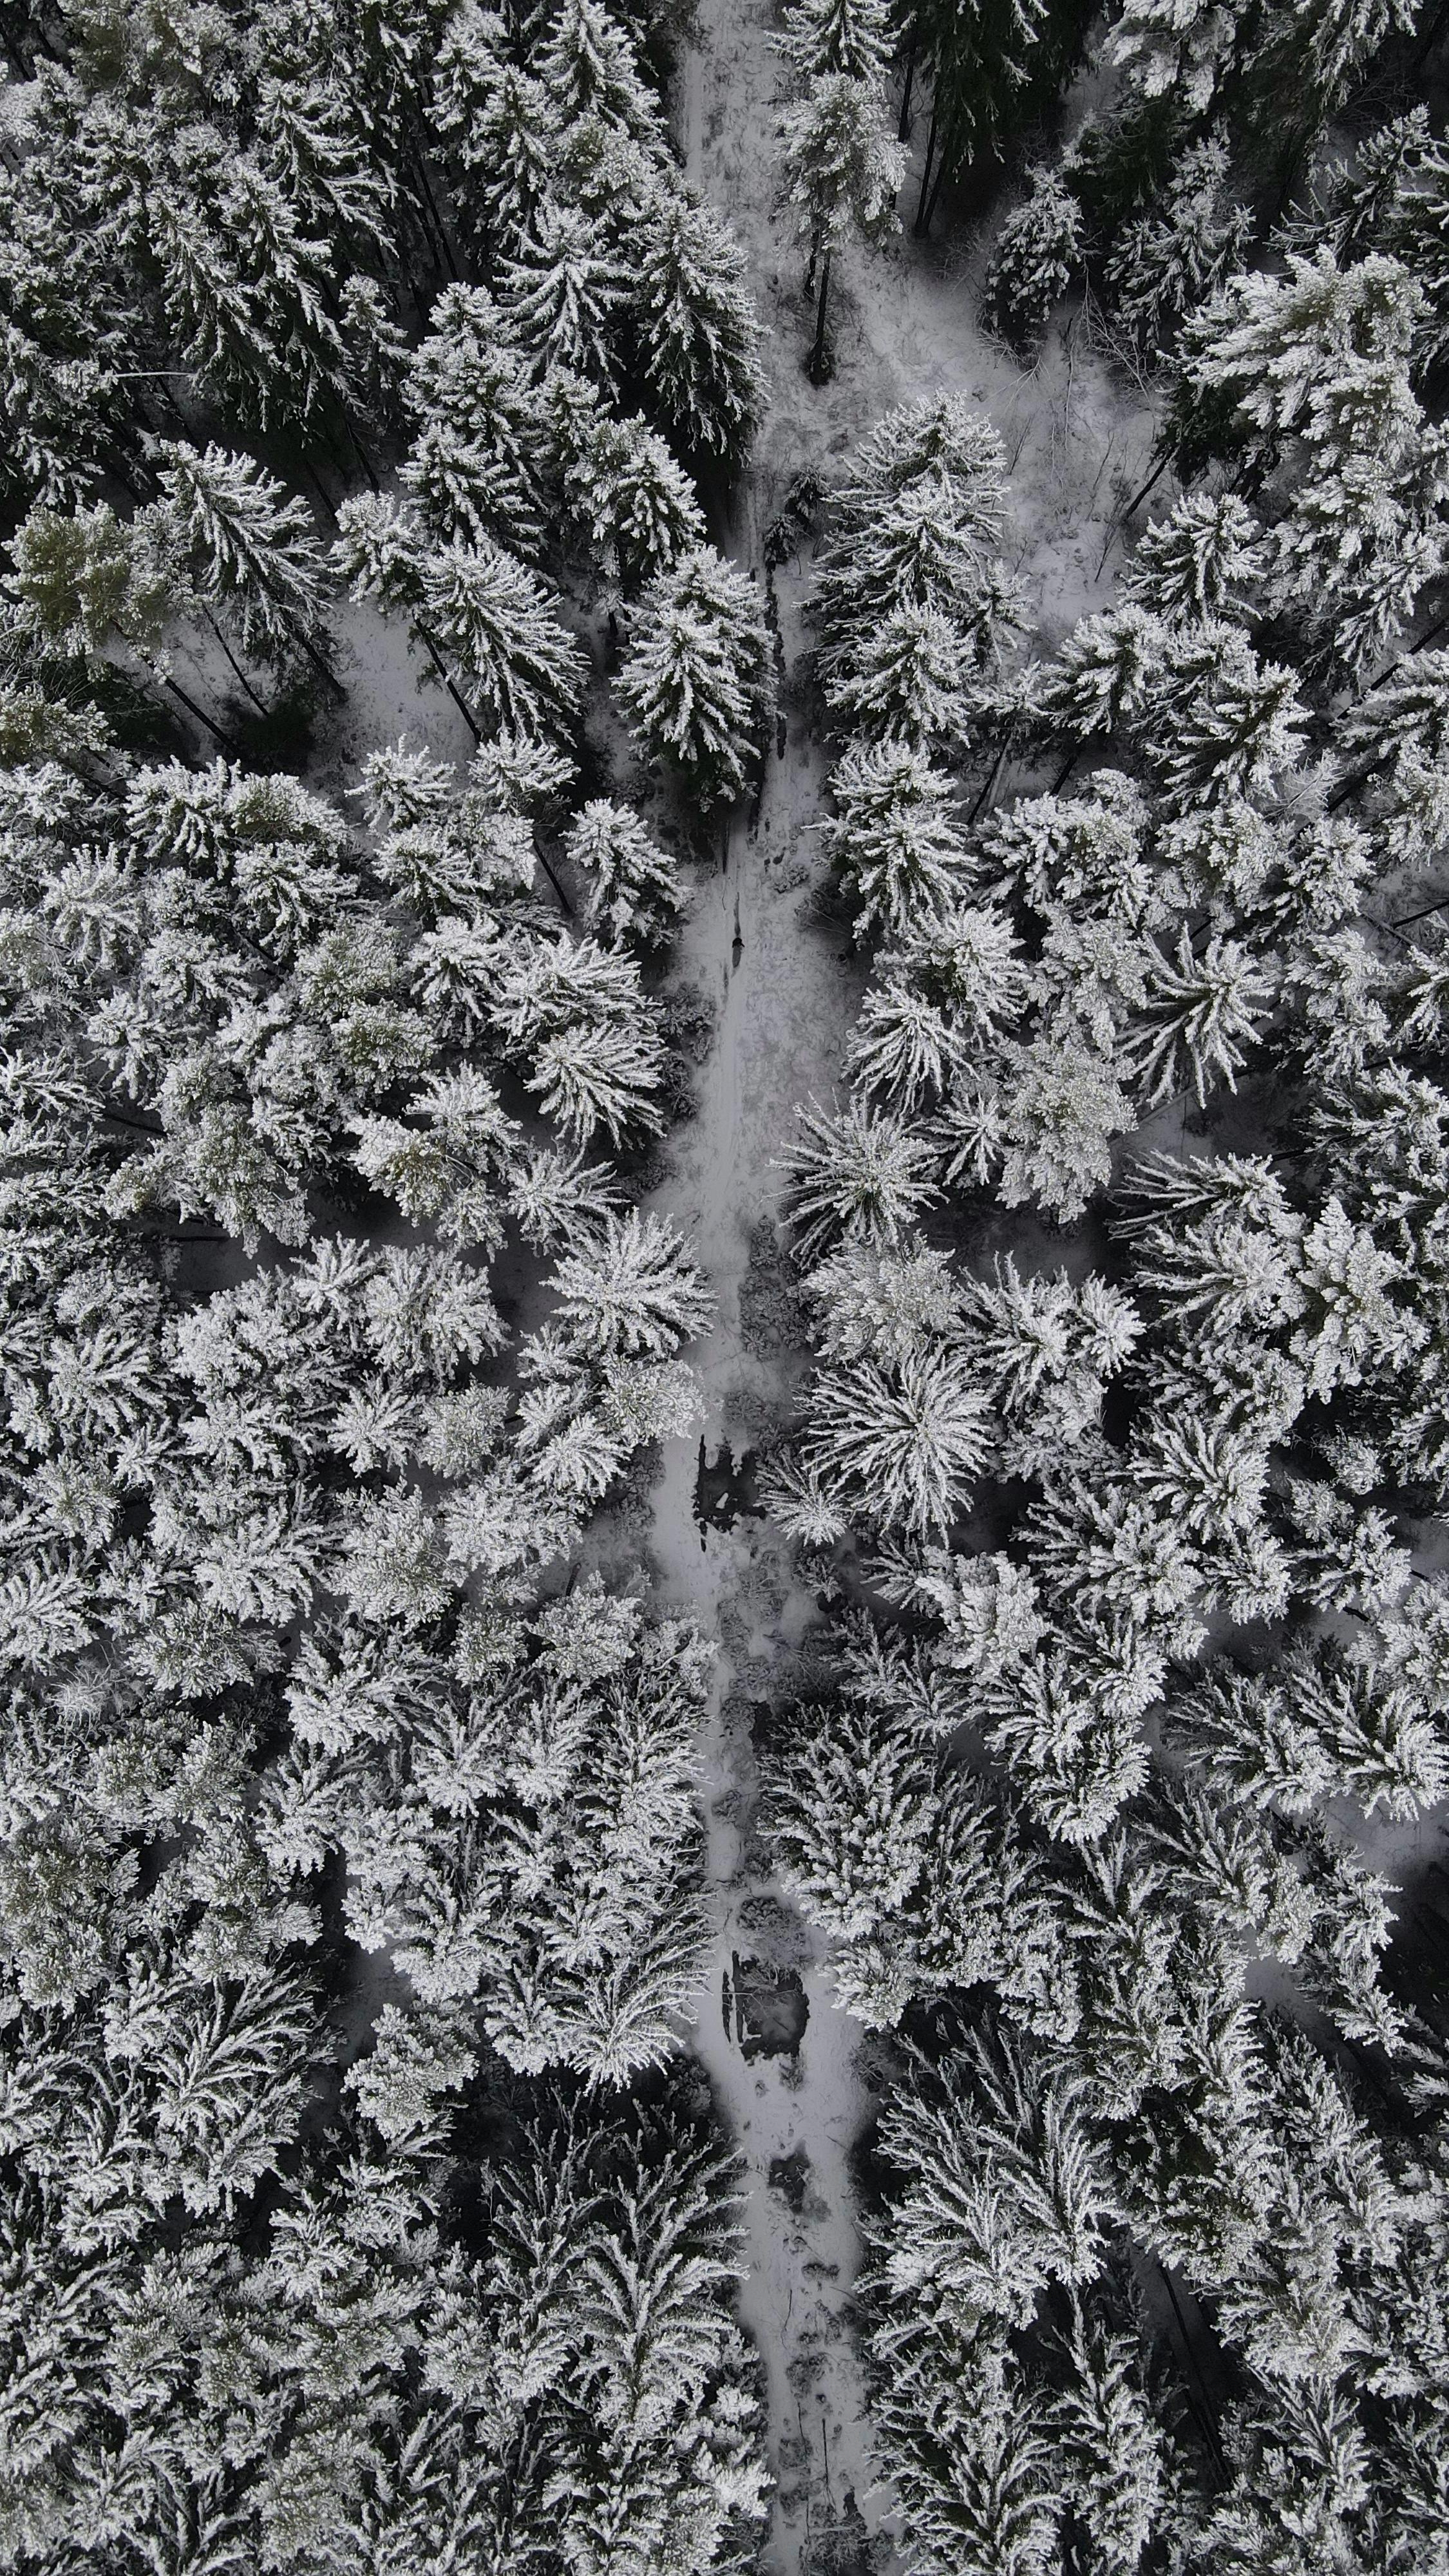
(496, 126)
(851, 36)
(697, 682)
(633, 890)
(1207, 559)
(1037, 259)
(894, 841)
(913, 535)
(986, 61)
(694, 325)
(564, 292)
(631, 1293)
(1166, 262)
(843, 170)
(1306, 60)
(857, 1176)
(626, 491)
(499, 627)
(245, 540)
(588, 68)
(1171, 51)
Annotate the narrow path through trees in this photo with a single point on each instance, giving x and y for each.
(784, 995)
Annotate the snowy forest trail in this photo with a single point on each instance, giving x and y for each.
(783, 988)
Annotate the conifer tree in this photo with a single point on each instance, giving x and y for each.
(843, 170)
(985, 61)
(245, 540)
(497, 623)
(588, 69)
(633, 887)
(1037, 258)
(696, 684)
(1170, 51)
(496, 125)
(850, 36)
(1165, 263)
(694, 324)
(564, 292)
(624, 487)
(894, 841)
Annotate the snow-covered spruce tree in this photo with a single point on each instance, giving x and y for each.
(248, 545)
(851, 36)
(1168, 51)
(634, 504)
(894, 841)
(481, 459)
(632, 886)
(695, 326)
(988, 64)
(1166, 262)
(843, 171)
(697, 682)
(913, 603)
(492, 126)
(564, 290)
(1036, 260)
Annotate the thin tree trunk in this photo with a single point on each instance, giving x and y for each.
(1064, 773)
(922, 218)
(1208, 2417)
(259, 703)
(1349, 786)
(936, 190)
(1422, 914)
(318, 486)
(564, 905)
(202, 717)
(420, 166)
(1120, 522)
(903, 130)
(319, 661)
(142, 1126)
(363, 458)
(997, 766)
(445, 675)
(817, 354)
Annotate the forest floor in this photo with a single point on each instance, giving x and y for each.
(777, 969)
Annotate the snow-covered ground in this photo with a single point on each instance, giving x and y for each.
(905, 327)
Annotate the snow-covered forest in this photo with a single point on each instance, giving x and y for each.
(724, 804)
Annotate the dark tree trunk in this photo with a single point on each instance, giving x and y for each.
(922, 217)
(363, 457)
(817, 355)
(433, 221)
(903, 130)
(318, 486)
(445, 675)
(202, 718)
(260, 704)
(564, 905)
(984, 799)
(319, 662)
(1153, 479)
